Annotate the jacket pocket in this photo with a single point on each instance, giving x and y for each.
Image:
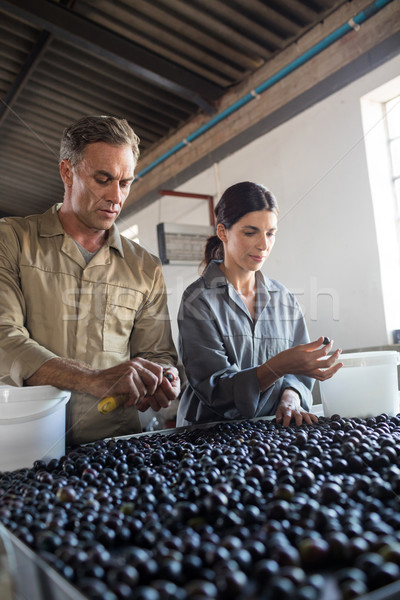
(122, 306)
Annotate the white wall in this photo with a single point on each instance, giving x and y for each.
(326, 249)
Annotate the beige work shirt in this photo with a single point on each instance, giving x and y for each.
(53, 304)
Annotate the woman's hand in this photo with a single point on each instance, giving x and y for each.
(289, 408)
(308, 359)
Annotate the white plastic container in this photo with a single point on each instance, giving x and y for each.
(32, 425)
(366, 386)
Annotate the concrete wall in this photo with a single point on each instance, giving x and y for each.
(326, 249)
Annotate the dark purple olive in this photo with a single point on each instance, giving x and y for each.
(314, 552)
(66, 494)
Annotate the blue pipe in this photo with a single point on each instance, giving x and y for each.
(361, 17)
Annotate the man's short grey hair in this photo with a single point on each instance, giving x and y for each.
(91, 129)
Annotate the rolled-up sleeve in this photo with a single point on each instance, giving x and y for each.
(20, 356)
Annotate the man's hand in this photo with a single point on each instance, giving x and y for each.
(135, 378)
(140, 381)
(167, 391)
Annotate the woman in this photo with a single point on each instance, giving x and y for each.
(243, 338)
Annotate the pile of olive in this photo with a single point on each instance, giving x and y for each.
(245, 510)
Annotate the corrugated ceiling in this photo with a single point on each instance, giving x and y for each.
(157, 63)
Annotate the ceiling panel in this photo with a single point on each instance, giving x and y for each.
(158, 63)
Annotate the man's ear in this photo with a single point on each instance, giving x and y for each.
(221, 232)
(66, 172)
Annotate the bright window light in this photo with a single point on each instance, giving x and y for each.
(381, 123)
(132, 233)
(392, 115)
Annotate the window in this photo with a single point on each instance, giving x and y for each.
(132, 233)
(381, 123)
(392, 121)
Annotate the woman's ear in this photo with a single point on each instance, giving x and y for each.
(221, 232)
(66, 172)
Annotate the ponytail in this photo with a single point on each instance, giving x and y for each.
(214, 250)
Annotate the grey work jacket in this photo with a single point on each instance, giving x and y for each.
(53, 304)
(221, 347)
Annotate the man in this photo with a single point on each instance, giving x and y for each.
(81, 307)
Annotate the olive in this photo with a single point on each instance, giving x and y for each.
(96, 589)
(201, 588)
(66, 494)
(145, 592)
(168, 375)
(265, 568)
(314, 552)
(384, 574)
(167, 590)
(280, 588)
(306, 592)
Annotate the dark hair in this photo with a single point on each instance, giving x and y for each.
(237, 200)
(88, 130)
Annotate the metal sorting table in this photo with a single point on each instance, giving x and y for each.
(31, 578)
(24, 575)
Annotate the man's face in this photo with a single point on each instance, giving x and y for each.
(100, 184)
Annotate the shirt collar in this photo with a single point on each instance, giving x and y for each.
(114, 240)
(50, 225)
(214, 277)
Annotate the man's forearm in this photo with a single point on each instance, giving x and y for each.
(64, 374)
(135, 378)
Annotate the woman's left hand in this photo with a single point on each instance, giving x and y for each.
(289, 408)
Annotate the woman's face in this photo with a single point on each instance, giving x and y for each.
(249, 241)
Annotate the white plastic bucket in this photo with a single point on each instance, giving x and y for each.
(32, 425)
(366, 386)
